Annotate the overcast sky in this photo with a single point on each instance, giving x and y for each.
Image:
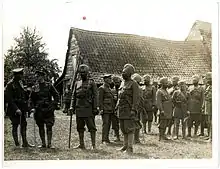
(53, 19)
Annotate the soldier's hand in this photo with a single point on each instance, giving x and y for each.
(188, 112)
(71, 110)
(18, 111)
(162, 113)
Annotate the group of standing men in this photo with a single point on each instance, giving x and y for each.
(128, 106)
(40, 99)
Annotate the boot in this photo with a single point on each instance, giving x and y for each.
(136, 137)
(169, 130)
(117, 136)
(189, 132)
(196, 130)
(184, 132)
(49, 138)
(125, 146)
(42, 137)
(15, 136)
(24, 138)
(149, 127)
(144, 128)
(160, 134)
(81, 141)
(129, 149)
(163, 137)
(93, 136)
(202, 130)
(176, 132)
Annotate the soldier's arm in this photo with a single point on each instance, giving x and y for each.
(159, 100)
(136, 93)
(188, 101)
(100, 97)
(202, 96)
(154, 96)
(9, 97)
(174, 97)
(95, 95)
(54, 93)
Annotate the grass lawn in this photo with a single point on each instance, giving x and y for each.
(150, 148)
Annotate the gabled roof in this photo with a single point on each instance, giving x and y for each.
(108, 52)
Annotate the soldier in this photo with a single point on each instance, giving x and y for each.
(149, 95)
(155, 84)
(67, 99)
(164, 104)
(84, 104)
(127, 106)
(44, 107)
(181, 112)
(171, 90)
(196, 102)
(16, 97)
(115, 121)
(106, 107)
(140, 110)
(207, 106)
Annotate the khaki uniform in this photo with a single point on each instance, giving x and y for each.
(128, 102)
(181, 106)
(195, 107)
(164, 103)
(107, 104)
(149, 99)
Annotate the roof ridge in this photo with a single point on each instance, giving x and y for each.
(124, 34)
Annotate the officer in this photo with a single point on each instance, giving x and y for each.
(84, 104)
(164, 104)
(181, 112)
(196, 102)
(106, 107)
(44, 107)
(207, 106)
(140, 110)
(149, 95)
(17, 98)
(127, 106)
(171, 90)
(115, 121)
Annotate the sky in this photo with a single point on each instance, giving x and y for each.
(54, 18)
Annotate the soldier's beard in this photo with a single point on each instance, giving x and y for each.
(117, 86)
(84, 77)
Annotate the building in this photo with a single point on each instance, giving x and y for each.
(106, 52)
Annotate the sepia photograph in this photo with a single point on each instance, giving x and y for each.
(108, 80)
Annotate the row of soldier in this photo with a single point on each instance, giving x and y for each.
(124, 106)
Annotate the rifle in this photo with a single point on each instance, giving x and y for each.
(72, 87)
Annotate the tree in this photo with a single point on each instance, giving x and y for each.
(29, 52)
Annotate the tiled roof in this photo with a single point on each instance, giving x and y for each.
(108, 52)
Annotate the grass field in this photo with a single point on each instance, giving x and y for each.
(151, 148)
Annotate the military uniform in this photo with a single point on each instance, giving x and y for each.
(180, 100)
(174, 87)
(196, 102)
(127, 106)
(17, 98)
(164, 104)
(115, 120)
(84, 102)
(44, 106)
(107, 106)
(149, 96)
(140, 109)
(207, 106)
(155, 84)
